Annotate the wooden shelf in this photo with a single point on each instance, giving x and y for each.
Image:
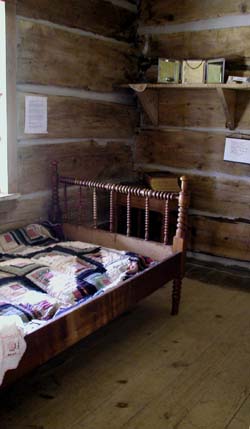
(149, 97)
(235, 86)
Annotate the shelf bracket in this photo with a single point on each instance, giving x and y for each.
(150, 102)
(228, 102)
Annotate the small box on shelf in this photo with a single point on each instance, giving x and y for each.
(162, 181)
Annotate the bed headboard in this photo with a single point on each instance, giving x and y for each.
(59, 209)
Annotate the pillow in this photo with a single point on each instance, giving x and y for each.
(35, 234)
(31, 235)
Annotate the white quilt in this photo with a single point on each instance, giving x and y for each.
(12, 343)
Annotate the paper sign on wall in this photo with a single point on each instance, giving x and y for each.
(36, 115)
(237, 150)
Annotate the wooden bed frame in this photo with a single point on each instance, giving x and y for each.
(61, 333)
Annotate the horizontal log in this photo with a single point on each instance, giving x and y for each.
(221, 196)
(159, 12)
(77, 118)
(97, 16)
(217, 195)
(88, 159)
(196, 108)
(17, 213)
(220, 237)
(229, 43)
(187, 149)
(190, 108)
(36, 208)
(225, 197)
(52, 56)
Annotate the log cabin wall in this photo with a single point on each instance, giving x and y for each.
(74, 53)
(191, 133)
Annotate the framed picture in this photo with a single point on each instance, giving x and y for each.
(169, 70)
(215, 71)
(193, 71)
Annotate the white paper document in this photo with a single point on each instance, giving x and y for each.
(237, 150)
(36, 115)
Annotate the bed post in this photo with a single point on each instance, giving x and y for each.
(180, 241)
(55, 212)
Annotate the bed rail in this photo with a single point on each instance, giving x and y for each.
(57, 215)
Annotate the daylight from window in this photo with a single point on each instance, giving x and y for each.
(3, 113)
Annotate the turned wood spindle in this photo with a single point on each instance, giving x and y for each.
(166, 222)
(80, 205)
(183, 209)
(65, 203)
(128, 213)
(146, 218)
(95, 208)
(111, 211)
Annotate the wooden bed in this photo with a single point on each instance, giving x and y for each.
(62, 332)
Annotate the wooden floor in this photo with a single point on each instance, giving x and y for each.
(148, 370)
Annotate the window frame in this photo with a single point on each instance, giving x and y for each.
(11, 96)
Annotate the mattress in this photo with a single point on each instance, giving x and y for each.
(43, 276)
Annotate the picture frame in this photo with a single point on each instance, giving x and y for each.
(169, 70)
(193, 71)
(215, 70)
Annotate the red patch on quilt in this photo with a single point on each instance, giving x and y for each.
(32, 232)
(8, 238)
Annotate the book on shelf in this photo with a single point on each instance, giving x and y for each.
(160, 181)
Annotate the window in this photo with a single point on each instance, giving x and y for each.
(8, 132)
(3, 104)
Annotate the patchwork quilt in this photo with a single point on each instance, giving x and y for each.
(41, 275)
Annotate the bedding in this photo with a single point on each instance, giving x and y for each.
(42, 276)
(12, 343)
